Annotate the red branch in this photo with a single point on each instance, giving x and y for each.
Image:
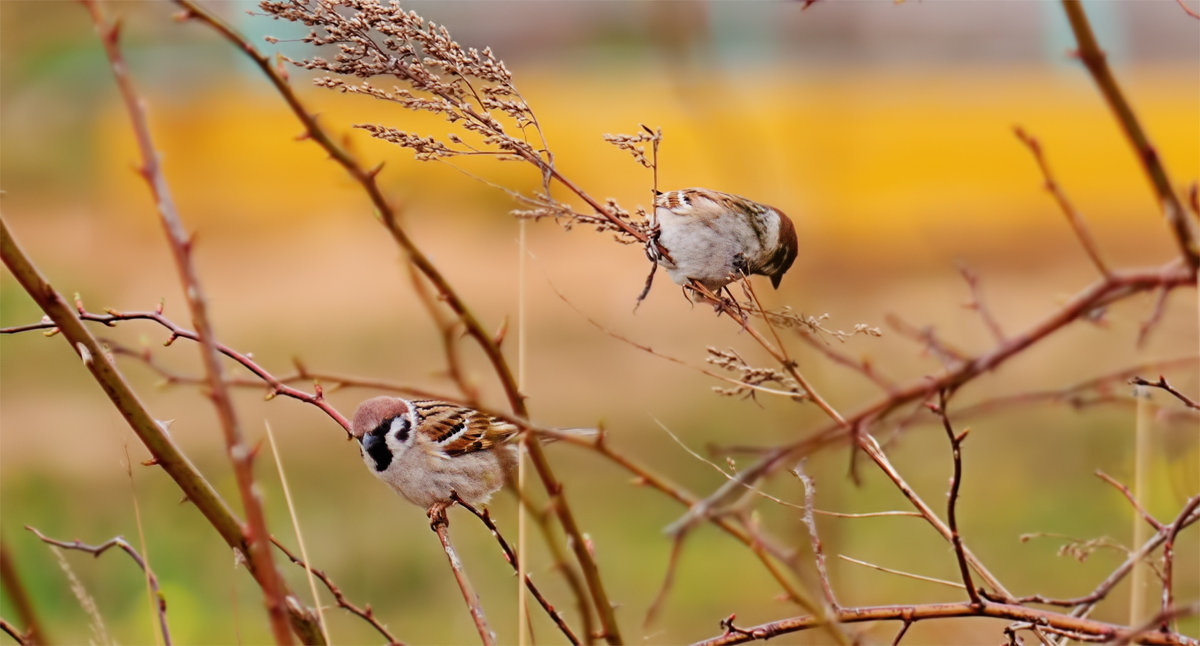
(240, 455)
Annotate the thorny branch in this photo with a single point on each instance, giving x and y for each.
(364, 613)
(180, 242)
(440, 525)
(160, 602)
(486, 518)
(152, 433)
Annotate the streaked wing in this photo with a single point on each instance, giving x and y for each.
(458, 430)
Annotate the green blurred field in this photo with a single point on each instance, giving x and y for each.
(894, 172)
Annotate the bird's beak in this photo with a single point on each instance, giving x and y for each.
(367, 441)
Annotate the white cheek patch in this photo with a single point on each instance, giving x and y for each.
(401, 429)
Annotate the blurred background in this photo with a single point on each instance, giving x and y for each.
(885, 131)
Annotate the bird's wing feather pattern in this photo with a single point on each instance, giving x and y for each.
(458, 430)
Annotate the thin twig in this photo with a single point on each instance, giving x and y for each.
(365, 613)
(439, 524)
(1148, 325)
(276, 386)
(240, 455)
(160, 601)
(151, 432)
(1073, 217)
(1073, 394)
(810, 494)
(486, 518)
(947, 353)
(1162, 383)
(979, 305)
(907, 575)
(1168, 573)
(1082, 605)
(1120, 285)
(867, 514)
(875, 452)
(956, 440)
(1155, 624)
(1132, 500)
(668, 581)
(156, 601)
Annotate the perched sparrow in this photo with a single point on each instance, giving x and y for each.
(716, 237)
(427, 449)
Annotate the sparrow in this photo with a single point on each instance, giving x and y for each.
(716, 238)
(427, 449)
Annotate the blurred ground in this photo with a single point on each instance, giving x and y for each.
(885, 131)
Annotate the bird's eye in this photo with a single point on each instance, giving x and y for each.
(398, 425)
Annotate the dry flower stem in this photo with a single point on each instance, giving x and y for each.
(364, 613)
